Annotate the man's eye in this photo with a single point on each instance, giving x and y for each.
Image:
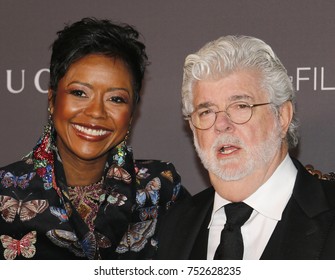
(78, 92)
(241, 106)
(204, 113)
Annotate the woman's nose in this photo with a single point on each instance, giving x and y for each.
(96, 108)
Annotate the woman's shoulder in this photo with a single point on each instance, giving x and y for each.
(19, 167)
(154, 164)
(18, 173)
(158, 183)
(163, 171)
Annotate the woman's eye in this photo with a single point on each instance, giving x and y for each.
(78, 92)
(118, 99)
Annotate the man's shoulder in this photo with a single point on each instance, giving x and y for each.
(312, 188)
(196, 201)
(329, 190)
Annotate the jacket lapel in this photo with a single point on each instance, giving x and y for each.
(199, 251)
(301, 232)
(193, 226)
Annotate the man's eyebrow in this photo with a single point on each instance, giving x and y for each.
(204, 105)
(238, 97)
(233, 98)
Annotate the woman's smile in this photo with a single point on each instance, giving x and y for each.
(91, 133)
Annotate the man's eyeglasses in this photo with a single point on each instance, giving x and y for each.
(238, 112)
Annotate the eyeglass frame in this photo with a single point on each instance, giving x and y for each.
(251, 106)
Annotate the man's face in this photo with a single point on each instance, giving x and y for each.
(232, 151)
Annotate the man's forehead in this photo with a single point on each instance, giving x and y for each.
(207, 101)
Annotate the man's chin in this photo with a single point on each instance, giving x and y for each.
(229, 170)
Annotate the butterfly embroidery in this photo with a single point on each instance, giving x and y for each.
(60, 213)
(150, 191)
(26, 210)
(66, 239)
(69, 240)
(115, 198)
(118, 173)
(137, 236)
(175, 193)
(102, 241)
(24, 247)
(148, 213)
(142, 173)
(10, 180)
(89, 245)
(168, 175)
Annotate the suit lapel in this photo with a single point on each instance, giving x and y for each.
(199, 251)
(193, 226)
(301, 232)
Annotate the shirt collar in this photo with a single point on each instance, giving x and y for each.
(271, 198)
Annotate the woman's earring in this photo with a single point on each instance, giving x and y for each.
(49, 115)
(126, 137)
(50, 125)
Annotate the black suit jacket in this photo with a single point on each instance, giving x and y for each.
(306, 230)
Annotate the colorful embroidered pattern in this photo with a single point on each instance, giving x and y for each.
(60, 213)
(150, 191)
(26, 210)
(89, 222)
(24, 247)
(118, 173)
(10, 180)
(148, 213)
(137, 236)
(86, 200)
(43, 159)
(66, 239)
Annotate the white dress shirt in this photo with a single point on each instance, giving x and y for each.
(268, 202)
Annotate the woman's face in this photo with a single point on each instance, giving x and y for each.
(92, 108)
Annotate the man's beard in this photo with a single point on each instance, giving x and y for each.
(256, 156)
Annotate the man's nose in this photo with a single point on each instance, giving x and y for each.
(223, 121)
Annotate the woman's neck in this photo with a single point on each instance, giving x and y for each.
(80, 172)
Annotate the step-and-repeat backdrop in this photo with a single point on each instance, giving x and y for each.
(302, 33)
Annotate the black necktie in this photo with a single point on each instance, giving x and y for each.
(231, 242)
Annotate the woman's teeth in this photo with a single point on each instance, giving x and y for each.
(90, 131)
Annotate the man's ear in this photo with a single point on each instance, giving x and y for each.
(285, 117)
(191, 125)
(51, 100)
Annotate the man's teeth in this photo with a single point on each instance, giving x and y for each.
(90, 131)
(226, 150)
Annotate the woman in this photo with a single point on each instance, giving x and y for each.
(80, 194)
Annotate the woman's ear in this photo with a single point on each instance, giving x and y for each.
(51, 100)
(285, 117)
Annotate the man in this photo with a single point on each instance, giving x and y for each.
(240, 105)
